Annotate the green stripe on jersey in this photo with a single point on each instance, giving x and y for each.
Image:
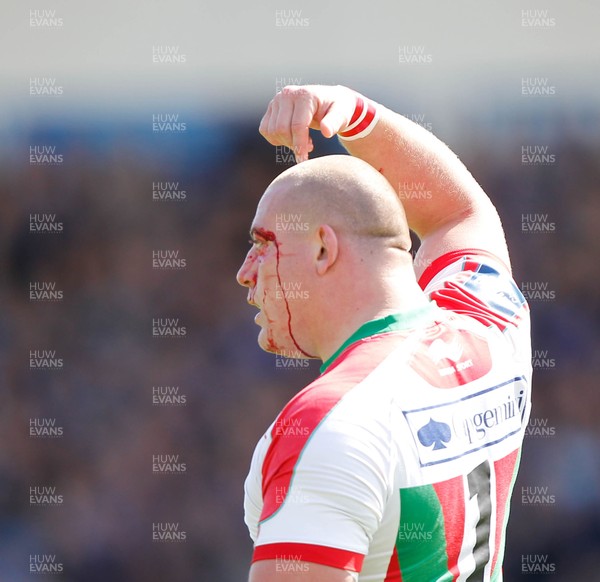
(421, 541)
(396, 322)
(497, 573)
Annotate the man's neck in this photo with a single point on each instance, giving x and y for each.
(341, 321)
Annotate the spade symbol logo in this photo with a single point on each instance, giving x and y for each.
(434, 433)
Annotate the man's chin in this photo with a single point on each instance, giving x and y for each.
(266, 342)
(283, 345)
(272, 346)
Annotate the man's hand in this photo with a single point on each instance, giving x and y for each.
(296, 109)
(443, 203)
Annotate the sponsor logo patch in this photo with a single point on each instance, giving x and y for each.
(451, 430)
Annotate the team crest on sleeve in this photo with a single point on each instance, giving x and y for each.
(451, 430)
(500, 293)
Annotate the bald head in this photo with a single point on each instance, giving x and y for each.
(329, 252)
(346, 193)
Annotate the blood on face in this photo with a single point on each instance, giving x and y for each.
(269, 236)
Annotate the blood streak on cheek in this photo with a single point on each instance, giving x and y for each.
(269, 235)
(271, 345)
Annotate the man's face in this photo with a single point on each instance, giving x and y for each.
(274, 271)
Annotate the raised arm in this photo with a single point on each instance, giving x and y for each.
(444, 204)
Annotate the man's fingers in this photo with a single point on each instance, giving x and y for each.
(272, 127)
(335, 119)
(303, 114)
(264, 125)
(281, 127)
(264, 122)
(292, 112)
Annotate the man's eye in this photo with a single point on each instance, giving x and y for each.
(258, 243)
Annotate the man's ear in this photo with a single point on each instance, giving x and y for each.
(326, 248)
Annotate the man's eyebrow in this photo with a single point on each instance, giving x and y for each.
(257, 232)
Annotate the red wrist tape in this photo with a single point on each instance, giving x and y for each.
(363, 120)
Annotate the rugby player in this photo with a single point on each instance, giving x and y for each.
(399, 460)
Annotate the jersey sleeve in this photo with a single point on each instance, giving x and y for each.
(475, 283)
(324, 485)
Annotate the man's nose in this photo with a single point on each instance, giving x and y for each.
(246, 276)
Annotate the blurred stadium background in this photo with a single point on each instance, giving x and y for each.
(477, 61)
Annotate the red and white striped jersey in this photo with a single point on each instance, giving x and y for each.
(398, 461)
